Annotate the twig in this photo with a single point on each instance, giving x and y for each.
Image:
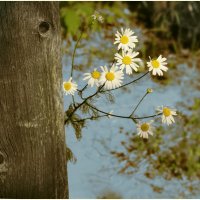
(74, 52)
(121, 116)
(85, 101)
(91, 118)
(73, 100)
(116, 88)
(83, 88)
(139, 103)
(128, 83)
(150, 116)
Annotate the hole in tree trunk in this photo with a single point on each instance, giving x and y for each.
(44, 27)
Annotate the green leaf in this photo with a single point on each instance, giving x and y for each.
(85, 9)
(72, 21)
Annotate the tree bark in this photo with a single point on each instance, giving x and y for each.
(32, 140)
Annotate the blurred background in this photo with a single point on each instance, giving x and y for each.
(111, 161)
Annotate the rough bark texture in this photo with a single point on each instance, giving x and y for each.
(32, 141)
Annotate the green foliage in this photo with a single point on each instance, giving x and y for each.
(71, 21)
(75, 14)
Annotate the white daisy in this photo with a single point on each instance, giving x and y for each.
(93, 77)
(149, 90)
(128, 61)
(125, 39)
(167, 115)
(111, 78)
(69, 87)
(97, 16)
(157, 65)
(94, 16)
(145, 129)
(100, 19)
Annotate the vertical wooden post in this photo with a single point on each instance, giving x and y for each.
(32, 141)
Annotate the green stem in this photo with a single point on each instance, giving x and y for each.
(81, 91)
(74, 52)
(73, 100)
(121, 116)
(146, 117)
(139, 103)
(84, 88)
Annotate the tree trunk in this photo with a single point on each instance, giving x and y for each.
(32, 140)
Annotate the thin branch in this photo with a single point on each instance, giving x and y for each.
(150, 116)
(85, 101)
(91, 118)
(81, 92)
(114, 60)
(83, 88)
(133, 81)
(73, 100)
(121, 116)
(99, 90)
(139, 103)
(115, 88)
(74, 52)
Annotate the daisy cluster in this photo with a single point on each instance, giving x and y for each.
(126, 61)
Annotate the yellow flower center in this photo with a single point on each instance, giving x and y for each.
(145, 127)
(166, 112)
(95, 74)
(110, 76)
(155, 63)
(126, 60)
(67, 86)
(124, 39)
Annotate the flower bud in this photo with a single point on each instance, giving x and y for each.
(149, 90)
